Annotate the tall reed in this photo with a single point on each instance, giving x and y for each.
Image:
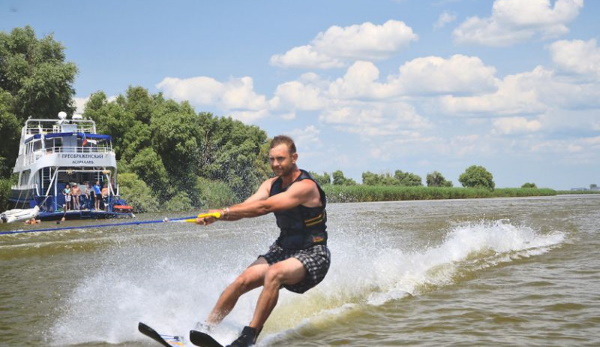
(362, 193)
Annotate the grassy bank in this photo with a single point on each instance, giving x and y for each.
(362, 193)
(570, 192)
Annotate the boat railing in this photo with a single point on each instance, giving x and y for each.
(50, 126)
(24, 187)
(56, 129)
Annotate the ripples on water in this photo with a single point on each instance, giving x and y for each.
(425, 273)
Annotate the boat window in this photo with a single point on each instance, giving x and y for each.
(29, 147)
(53, 144)
(69, 128)
(37, 145)
(25, 177)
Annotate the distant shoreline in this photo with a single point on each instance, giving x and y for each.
(362, 193)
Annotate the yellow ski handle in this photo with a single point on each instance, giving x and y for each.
(217, 215)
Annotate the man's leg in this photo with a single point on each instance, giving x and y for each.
(251, 278)
(289, 271)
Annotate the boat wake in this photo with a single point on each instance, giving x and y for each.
(173, 285)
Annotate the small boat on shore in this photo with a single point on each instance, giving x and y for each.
(57, 155)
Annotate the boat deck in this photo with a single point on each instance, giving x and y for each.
(82, 214)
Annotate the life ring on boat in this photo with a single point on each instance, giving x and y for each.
(122, 208)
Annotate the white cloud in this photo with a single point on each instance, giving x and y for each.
(298, 95)
(366, 41)
(514, 21)
(239, 94)
(249, 116)
(398, 107)
(373, 119)
(80, 104)
(515, 125)
(516, 94)
(236, 96)
(305, 57)
(467, 145)
(578, 56)
(444, 19)
(306, 138)
(576, 152)
(359, 82)
(458, 75)
(197, 90)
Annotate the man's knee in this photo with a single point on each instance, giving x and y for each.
(244, 283)
(274, 275)
(285, 273)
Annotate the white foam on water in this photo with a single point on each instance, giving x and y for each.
(173, 284)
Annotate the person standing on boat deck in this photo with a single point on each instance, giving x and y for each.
(97, 195)
(105, 194)
(298, 260)
(76, 193)
(67, 194)
(85, 195)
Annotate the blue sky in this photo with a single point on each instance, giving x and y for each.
(364, 85)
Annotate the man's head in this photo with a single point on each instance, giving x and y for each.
(286, 140)
(282, 155)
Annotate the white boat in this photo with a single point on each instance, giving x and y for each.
(19, 214)
(57, 152)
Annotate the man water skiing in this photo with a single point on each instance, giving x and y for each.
(298, 260)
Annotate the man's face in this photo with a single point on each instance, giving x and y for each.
(282, 162)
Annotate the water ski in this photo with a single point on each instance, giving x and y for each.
(165, 340)
(201, 339)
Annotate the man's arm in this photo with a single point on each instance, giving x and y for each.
(304, 192)
(262, 192)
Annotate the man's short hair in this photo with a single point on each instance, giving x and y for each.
(284, 139)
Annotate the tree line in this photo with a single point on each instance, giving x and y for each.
(169, 156)
(475, 176)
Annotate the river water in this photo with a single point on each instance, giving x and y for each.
(482, 272)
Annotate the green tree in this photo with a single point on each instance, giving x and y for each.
(232, 152)
(9, 135)
(176, 139)
(180, 202)
(262, 167)
(35, 81)
(529, 185)
(408, 179)
(388, 180)
(477, 177)
(5, 184)
(371, 179)
(149, 167)
(436, 179)
(168, 145)
(138, 194)
(130, 132)
(339, 179)
(323, 179)
(211, 194)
